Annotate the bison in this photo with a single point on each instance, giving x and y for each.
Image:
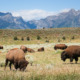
(41, 49)
(60, 46)
(72, 52)
(30, 50)
(14, 48)
(17, 58)
(24, 48)
(1, 47)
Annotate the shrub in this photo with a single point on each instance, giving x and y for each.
(2, 63)
(38, 37)
(15, 38)
(47, 41)
(73, 37)
(22, 38)
(64, 38)
(28, 38)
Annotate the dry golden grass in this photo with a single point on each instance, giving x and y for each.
(47, 62)
(47, 65)
(53, 35)
(44, 63)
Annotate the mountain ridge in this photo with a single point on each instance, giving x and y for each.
(64, 19)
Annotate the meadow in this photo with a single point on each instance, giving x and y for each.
(46, 65)
(55, 35)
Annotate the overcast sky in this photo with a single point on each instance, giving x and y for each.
(36, 9)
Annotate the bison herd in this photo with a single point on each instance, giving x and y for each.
(72, 52)
(16, 56)
(69, 52)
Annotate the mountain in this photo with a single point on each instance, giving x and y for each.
(64, 19)
(7, 21)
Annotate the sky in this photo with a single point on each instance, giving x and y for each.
(36, 9)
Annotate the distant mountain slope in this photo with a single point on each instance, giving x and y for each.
(65, 19)
(7, 21)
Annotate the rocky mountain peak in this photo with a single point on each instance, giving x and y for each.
(64, 19)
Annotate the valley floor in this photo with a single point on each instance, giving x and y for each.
(47, 65)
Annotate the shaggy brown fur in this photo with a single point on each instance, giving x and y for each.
(41, 49)
(16, 57)
(30, 50)
(23, 48)
(14, 48)
(72, 52)
(60, 46)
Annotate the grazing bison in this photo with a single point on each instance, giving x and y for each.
(17, 58)
(60, 46)
(30, 50)
(1, 47)
(72, 52)
(24, 48)
(41, 49)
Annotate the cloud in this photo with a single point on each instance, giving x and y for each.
(34, 14)
(65, 10)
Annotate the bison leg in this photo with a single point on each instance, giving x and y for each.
(16, 66)
(10, 65)
(71, 59)
(6, 62)
(76, 59)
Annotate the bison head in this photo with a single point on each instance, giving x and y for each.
(23, 64)
(23, 48)
(64, 47)
(55, 47)
(63, 56)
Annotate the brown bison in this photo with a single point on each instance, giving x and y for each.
(30, 50)
(72, 52)
(17, 58)
(24, 48)
(60, 46)
(14, 48)
(1, 47)
(41, 49)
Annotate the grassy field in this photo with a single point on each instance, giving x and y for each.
(46, 65)
(52, 35)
